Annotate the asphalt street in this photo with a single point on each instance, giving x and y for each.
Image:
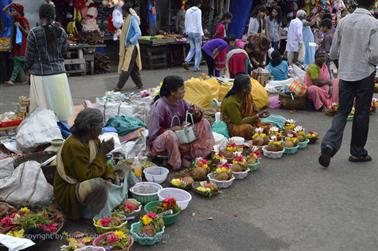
(289, 204)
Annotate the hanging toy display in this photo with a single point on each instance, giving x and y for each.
(115, 21)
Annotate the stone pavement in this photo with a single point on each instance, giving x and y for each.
(289, 204)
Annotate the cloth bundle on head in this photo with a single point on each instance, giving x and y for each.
(18, 7)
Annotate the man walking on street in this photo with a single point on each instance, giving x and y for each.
(193, 28)
(295, 37)
(355, 48)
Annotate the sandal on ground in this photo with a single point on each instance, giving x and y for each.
(356, 159)
(117, 89)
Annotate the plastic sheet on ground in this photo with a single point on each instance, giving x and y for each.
(202, 92)
(25, 185)
(275, 86)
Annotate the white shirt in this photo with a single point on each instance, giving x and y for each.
(355, 45)
(193, 21)
(294, 35)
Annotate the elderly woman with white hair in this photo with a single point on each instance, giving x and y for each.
(295, 37)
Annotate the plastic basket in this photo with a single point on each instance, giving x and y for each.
(254, 167)
(168, 219)
(291, 150)
(204, 194)
(101, 229)
(97, 241)
(303, 145)
(156, 174)
(273, 155)
(145, 192)
(145, 241)
(241, 175)
(182, 197)
(221, 183)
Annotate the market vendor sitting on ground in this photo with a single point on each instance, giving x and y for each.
(83, 178)
(321, 90)
(238, 108)
(162, 139)
(278, 68)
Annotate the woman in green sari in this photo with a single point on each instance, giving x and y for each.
(83, 178)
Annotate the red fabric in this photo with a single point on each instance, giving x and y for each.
(237, 64)
(220, 60)
(111, 27)
(79, 4)
(19, 50)
(220, 31)
(18, 7)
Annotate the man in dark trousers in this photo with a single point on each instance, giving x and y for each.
(355, 51)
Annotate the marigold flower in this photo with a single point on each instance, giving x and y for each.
(121, 235)
(25, 210)
(146, 220)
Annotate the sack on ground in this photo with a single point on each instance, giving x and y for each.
(25, 185)
(39, 128)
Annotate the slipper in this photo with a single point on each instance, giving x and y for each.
(365, 158)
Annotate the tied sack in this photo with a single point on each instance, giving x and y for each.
(299, 89)
(185, 135)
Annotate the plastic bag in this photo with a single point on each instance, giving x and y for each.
(18, 36)
(221, 128)
(137, 168)
(38, 129)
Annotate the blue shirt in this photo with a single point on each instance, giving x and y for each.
(134, 32)
(280, 71)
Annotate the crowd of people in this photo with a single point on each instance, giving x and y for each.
(350, 40)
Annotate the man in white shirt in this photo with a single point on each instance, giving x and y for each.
(355, 50)
(295, 37)
(193, 28)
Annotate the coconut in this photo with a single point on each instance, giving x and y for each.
(251, 160)
(228, 155)
(198, 173)
(238, 168)
(222, 176)
(289, 144)
(148, 230)
(301, 138)
(187, 180)
(258, 141)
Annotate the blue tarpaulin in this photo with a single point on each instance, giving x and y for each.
(240, 10)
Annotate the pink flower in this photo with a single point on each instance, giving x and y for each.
(49, 228)
(169, 200)
(105, 221)
(112, 238)
(6, 221)
(151, 215)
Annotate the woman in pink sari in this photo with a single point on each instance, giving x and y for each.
(322, 91)
(162, 138)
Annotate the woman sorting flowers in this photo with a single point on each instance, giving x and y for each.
(322, 91)
(238, 108)
(162, 138)
(83, 178)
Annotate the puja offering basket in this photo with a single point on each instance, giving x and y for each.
(142, 240)
(221, 183)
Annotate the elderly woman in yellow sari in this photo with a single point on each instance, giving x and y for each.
(83, 178)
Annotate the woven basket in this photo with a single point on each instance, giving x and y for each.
(291, 150)
(241, 175)
(292, 102)
(254, 167)
(145, 241)
(303, 145)
(221, 183)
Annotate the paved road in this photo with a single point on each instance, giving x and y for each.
(289, 204)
